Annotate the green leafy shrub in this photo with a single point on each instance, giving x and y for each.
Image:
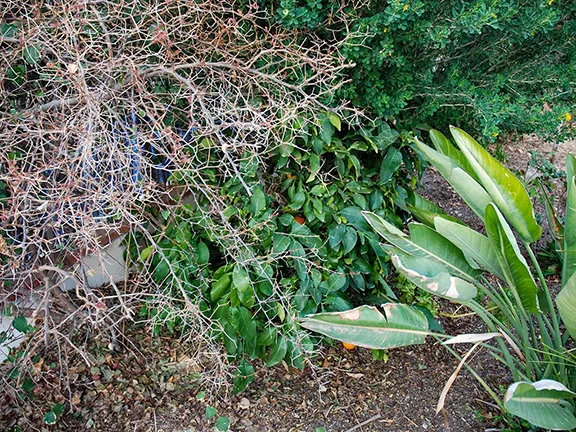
(446, 258)
(488, 65)
(305, 245)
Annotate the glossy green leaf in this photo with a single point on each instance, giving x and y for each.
(222, 424)
(335, 282)
(326, 130)
(50, 418)
(386, 137)
(566, 302)
(390, 164)
(314, 166)
(349, 239)
(280, 243)
(366, 326)
(506, 191)
(267, 336)
(257, 201)
(335, 120)
(58, 409)
(569, 265)
(335, 235)
(210, 412)
(433, 246)
(202, 253)
(278, 353)
(299, 260)
(444, 146)
(220, 287)
(542, 403)
(31, 54)
(472, 243)
(243, 376)
(434, 278)
(240, 279)
(428, 239)
(512, 263)
(20, 323)
(247, 329)
(425, 211)
(469, 189)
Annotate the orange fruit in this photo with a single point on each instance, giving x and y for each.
(291, 176)
(348, 346)
(300, 220)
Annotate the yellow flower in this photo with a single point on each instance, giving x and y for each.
(568, 117)
(385, 29)
(405, 8)
(550, 2)
(495, 134)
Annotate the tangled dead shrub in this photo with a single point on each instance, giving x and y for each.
(103, 102)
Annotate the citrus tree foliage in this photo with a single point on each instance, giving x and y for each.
(489, 65)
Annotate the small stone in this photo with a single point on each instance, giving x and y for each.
(244, 404)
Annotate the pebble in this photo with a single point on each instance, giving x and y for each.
(244, 404)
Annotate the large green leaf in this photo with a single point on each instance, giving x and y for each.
(570, 222)
(434, 243)
(513, 264)
(433, 278)
(542, 403)
(366, 326)
(469, 189)
(472, 243)
(506, 190)
(424, 210)
(426, 244)
(247, 329)
(566, 302)
(390, 164)
(444, 146)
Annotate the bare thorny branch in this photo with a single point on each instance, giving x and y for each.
(115, 97)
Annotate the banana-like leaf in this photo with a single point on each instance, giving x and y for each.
(542, 403)
(471, 338)
(444, 146)
(426, 244)
(569, 265)
(469, 189)
(366, 326)
(425, 211)
(434, 278)
(513, 264)
(505, 189)
(566, 302)
(472, 243)
(436, 244)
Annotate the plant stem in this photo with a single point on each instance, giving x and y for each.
(478, 378)
(557, 335)
(489, 319)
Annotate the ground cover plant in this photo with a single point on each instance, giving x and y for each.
(445, 257)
